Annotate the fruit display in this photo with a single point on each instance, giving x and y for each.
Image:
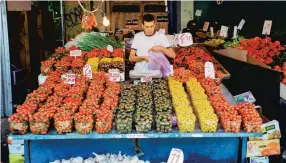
(185, 116)
(163, 122)
(105, 64)
(103, 122)
(195, 90)
(194, 58)
(118, 63)
(77, 65)
(18, 123)
(63, 122)
(39, 123)
(235, 43)
(93, 62)
(214, 42)
(83, 122)
(47, 66)
(181, 74)
(143, 116)
(124, 122)
(251, 120)
(262, 49)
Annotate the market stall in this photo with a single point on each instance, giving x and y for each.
(84, 106)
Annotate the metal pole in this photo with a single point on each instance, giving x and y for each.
(6, 92)
(62, 22)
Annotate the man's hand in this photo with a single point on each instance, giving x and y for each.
(157, 48)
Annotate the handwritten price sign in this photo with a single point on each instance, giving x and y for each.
(87, 71)
(115, 77)
(185, 39)
(146, 79)
(176, 156)
(267, 27)
(68, 78)
(75, 53)
(209, 70)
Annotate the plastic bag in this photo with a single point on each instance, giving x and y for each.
(158, 61)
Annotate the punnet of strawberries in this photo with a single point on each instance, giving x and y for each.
(83, 122)
(63, 122)
(18, 123)
(40, 123)
(103, 122)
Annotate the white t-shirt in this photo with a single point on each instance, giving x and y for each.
(142, 43)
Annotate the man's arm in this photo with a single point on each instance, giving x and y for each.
(134, 58)
(169, 52)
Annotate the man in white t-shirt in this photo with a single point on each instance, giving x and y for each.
(147, 42)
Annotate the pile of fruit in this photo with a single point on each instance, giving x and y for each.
(262, 49)
(229, 117)
(126, 108)
(184, 112)
(98, 59)
(193, 59)
(214, 42)
(143, 116)
(251, 120)
(235, 43)
(208, 120)
(163, 106)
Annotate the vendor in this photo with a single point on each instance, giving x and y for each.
(148, 41)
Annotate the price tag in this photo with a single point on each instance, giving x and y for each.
(198, 12)
(267, 27)
(197, 135)
(146, 79)
(235, 32)
(75, 53)
(115, 77)
(212, 31)
(109, 48)
(206, 26)
(245, 97)
(223, 31)
(209, 70)
(87, 71)
(113, 71)
(133, 136)
(185, 39)
(176, 156)
(241, 24)
(68, 78)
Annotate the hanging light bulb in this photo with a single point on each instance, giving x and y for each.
(105, 22)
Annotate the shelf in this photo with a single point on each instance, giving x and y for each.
(114, 135)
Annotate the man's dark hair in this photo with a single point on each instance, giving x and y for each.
(148, 18)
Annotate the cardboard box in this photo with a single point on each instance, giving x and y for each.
(263, 148)
(270, 130)
(283, 91)
(16, 149)
(241, 55)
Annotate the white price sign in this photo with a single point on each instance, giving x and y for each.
(109, 48)
(198, 12)
(206, 26)
(176, 156)
(223, 31)
(212, 32)
(68, 78)
(146, 79)
(114, 75)
(235, 32)
(267, 27)
(87, 71)
(75, 53)
(209, 70)
(185, 39)
(241, 24)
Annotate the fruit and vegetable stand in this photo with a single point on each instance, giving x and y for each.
(84, 107)
(197, 146)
